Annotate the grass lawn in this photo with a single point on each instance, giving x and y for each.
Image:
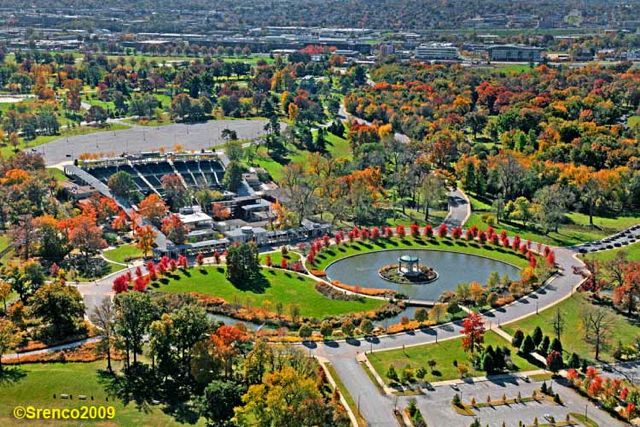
(276, 257)
(444, 353)
(634, 121)
(511, 68)
(632, 253)
(123, 254)
(335, 252)
(577, 230)
(572, 339)
(413, 216)
(56, 174)
(41, 381)
(338, 147)
(276, 286)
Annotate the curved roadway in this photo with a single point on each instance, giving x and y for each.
(378, 408)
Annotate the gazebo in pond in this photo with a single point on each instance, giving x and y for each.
(409, 265)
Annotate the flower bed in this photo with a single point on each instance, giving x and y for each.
(374, 292)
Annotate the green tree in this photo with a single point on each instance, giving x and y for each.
(392, 374)
(121, 184)
(305, 331)
(25, 278)
(421, 315)
(527, 345)
(59, 307)
(347, 327)
(556, 345)
(366, 326)
(537, 336)
(487, 363)
(9, 338)
(134, 314)
(243, 265)
(232, 176)
(326, 329)
(217, 403)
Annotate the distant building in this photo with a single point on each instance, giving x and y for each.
(633, 55)
(387, 49)
(437, 51)
(516, 53)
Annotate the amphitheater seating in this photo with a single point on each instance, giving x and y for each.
(206, 173)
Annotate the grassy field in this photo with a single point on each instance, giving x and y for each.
(444, 353)
(276, 286)
(511, 68)
(123, 254)
(276, 257)
(338, 147)
(634, 121)
(335, 252)
(576, 230)
(572, 339)
(42, 381)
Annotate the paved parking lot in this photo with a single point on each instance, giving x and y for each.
(146, 138)
(437, 411)
(618, 240)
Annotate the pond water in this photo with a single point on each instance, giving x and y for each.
(453, 268)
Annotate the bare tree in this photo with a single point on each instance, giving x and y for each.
(433, 191)
(103, 317)
(298, 188)
(597, 323)
(24, 236)
(558, 323)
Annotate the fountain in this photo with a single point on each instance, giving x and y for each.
(408, 271)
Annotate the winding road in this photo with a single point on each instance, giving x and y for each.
(378, 408)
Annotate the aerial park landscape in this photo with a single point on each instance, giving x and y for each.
(213, 218)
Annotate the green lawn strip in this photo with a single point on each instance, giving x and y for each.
(572, 339)
(632, 253)
(345, 393)
(276, 286)
(123, 254)
(5, 241)
(42, 381)
(444, 353)
(586, 421)
(276, 257)
(333, 253)
(56, 174)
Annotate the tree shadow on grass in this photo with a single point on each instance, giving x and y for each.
(138, 386)
(142, 387)
(12, 375)
(257, 285)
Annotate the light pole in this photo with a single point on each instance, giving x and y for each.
(585, 412)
